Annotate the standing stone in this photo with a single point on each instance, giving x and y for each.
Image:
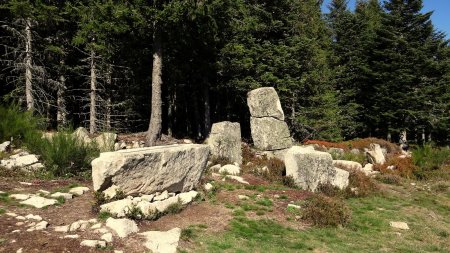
(310, 168)
(225, 141)
(375, 154)
(175, 168)
(268, 129)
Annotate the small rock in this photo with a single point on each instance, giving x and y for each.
(111, 192)
(19, 223)
(25, 183)
(16, 231)
(5, 146)
(93, 243)
(399, 225)
(243, 197)
(208, 187)
(20, 196)
(162, 196)
(162, 242)
(44, 192)
(101, 231)
(20, 217)
(276, 196)
(62, 194)
(63, 229)
(39, 202)
(33, 217)
(238, 178)
(96, 226)
(187, 197)
(40, 226)
(118, 251)
(118, 208)
(294, 206)
(215, 167)
(11, 214)
(79, 225)
(413, 184)
(71, 236)
(80, 190)
(123, 227)
(108, 237)
(148, 198)
(19, 250)
(230, 169)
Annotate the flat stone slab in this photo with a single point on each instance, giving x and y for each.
(39, 202)
(399, 225)
(175, 168)
(80, 190)
(162, 242)
(123, 227)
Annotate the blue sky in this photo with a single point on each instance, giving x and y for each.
(440, 17)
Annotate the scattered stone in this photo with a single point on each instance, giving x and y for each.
(25, 183)
(187, 197)
(161, 206)
(347, 165)
(71, 236)
(123, 227)
(215, 167)
(375, 154)
(177, 168)
(20, 217)
(33, 217)
(208, 187)
(225, 141)
(39, 202)
(101, 231)
(63, 229)
(19, 223)
(294, 206)
(230, 169)
(148, 198)
(93, 243)
(162, 242)
(309, 168)
(19, 250)
(108, 237)
(2, 192)
(162, 196)
(111, 191)
(237, 178)
(11, 214)
(106, 141)
(391, 167)
(44, 192)
(96, 226)
(62, 194)
(118, 208)
(118, 251)
(79, 225)
(16, 231)
(5, 146)
(399, 225)
(20, 196)
(80, 190)
(243, 197)
(39, 226)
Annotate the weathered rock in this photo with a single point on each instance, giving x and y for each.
(39, 226)
(62, 194)
(187, 197)
(33, 217)
(176, 168)
(347, 165)
(39, 202)
(237, 178)
(111, 192)
(243, 197)
(71, 236)
(162, 242)
(294, 206)
(20, 196)
(5, 146)
(225, 141)
(399, 225)
(161, 206)
(208, 187)
(21, 161)
(81, 225)
(147, 197)
(310, 168)
(123, 227)
(80, 190)
(164, 195)
(93, 243)
(108, 237)
(215, 167)
(63, 229)
(230, 169)
(270, 133)
(118, 208)
(106, 141)
(82, 135)
(264, 102)
(375, 154)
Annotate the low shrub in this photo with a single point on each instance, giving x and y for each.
(389, 179)
(348, 156)
(324, 211)
(327, 144)
(17, 125)
(329, 190)
(403, 167)
(175, 207)
(429, 158)
(360, 185)
(365, 143)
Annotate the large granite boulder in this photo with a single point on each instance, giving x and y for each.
(264, 102)
(175, 168)
(311, 168)
(270, 134)
(225, 141)
(375, 154)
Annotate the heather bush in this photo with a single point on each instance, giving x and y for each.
(324, 211)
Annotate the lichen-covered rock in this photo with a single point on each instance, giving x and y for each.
(225, 141)
(375, 154)
(230, 169)
(347, 165)
(270, 133)
(162, 242)
(310, 168)
(175, 168)
(123, 227)
(264, 102)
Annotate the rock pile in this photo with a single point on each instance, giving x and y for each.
(268, 129)
(22, 160)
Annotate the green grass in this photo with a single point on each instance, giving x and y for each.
(66, 188)
(4, 198)
(264, 202)
(2, 211)
(368, 231)
(103, 216)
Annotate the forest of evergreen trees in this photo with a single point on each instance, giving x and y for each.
(376, 71)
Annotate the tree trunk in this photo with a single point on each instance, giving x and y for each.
(207, 108)
(108, 100)
(171, 112)
(61, 103)
(154, 129)
(93, 96)
(28, 66)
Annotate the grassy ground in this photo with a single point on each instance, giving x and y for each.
(424, 206)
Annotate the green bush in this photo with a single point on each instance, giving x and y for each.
(428, 158)
(18, 125)
(324, 211)
(63, 154)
